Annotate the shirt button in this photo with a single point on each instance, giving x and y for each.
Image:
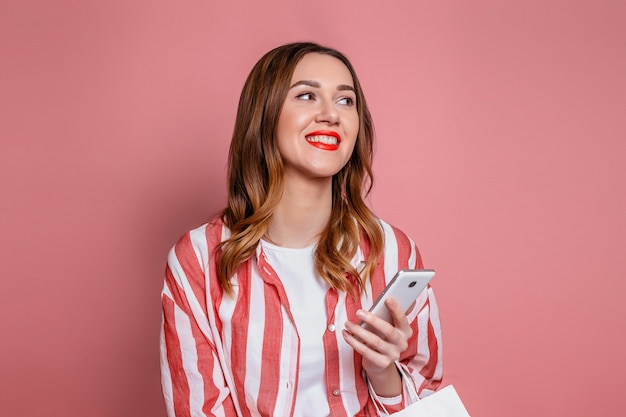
(331, 327)
(336, 392)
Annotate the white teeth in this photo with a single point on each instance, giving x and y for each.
(328, 140)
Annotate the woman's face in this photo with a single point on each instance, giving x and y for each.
(318, 123)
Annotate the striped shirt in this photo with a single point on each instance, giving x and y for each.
(238, 356)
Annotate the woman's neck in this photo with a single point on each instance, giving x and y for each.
(301, 215)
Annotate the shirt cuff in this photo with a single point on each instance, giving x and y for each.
(390, 401)
(399, 402)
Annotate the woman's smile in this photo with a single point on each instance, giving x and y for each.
(325, 140)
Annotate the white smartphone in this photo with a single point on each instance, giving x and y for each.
(405, 287)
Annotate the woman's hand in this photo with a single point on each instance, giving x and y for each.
(381, 349)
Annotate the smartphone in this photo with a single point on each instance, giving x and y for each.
(405, 287)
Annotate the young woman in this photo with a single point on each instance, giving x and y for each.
(261, 306)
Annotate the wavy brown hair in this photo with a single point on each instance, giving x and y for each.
(255, 177)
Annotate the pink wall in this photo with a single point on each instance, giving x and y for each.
(501, 151)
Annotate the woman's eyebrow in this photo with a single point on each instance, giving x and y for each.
(307, 82)
(344, 87)
(315, 84)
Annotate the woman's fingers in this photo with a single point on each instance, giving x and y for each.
(370, 352)
(400, 329)
(400, 320)
(381, 343)
(385, 342)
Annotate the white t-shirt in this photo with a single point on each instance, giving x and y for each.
(306, 292)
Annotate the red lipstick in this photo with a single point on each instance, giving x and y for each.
(322, 139)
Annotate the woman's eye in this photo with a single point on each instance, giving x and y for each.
(305, 96)
(347, 101)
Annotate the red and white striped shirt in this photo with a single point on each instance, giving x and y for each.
(238, 356)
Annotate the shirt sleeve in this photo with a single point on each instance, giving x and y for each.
(191, 375)
(422, 360)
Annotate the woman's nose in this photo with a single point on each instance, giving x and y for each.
(327, 112)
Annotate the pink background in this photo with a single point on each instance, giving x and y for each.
(501, 141)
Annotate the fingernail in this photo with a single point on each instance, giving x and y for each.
(361, 314)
